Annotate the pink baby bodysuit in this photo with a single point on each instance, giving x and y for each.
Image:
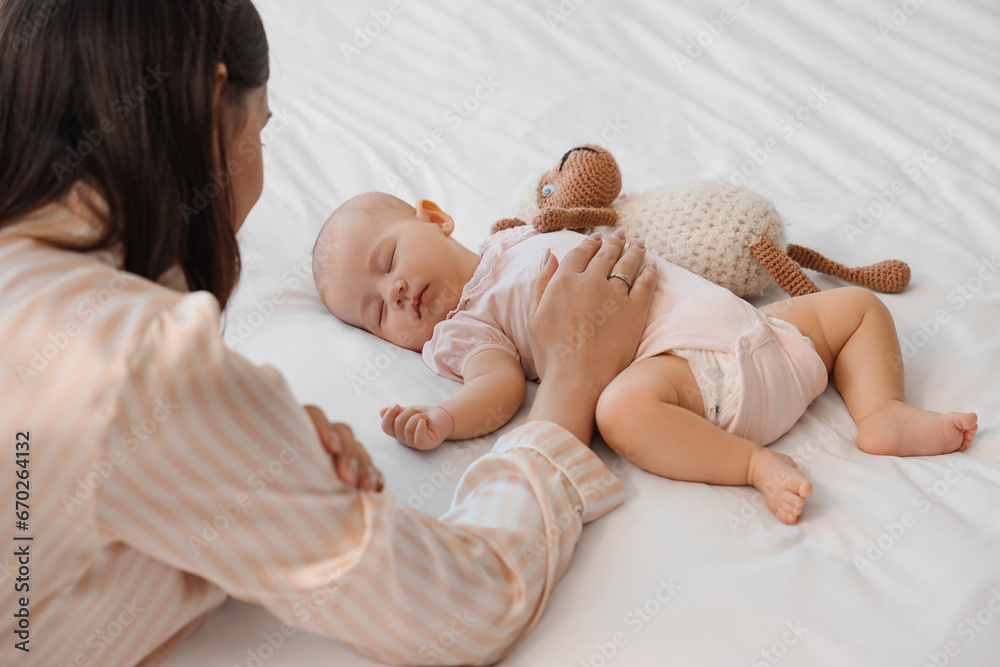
(780, 373)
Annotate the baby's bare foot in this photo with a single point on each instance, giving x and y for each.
(901, 430)
(778, 478)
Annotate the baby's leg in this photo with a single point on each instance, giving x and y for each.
(652, 415)
(854, 334)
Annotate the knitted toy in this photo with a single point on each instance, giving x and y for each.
(727, 234)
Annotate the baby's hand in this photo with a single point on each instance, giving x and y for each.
(419, 426)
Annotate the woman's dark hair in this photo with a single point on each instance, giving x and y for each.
(118, 95)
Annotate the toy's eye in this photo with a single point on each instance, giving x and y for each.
(548, 189)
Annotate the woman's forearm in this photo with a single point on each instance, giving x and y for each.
(568, 400)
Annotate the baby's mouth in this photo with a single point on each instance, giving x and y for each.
(419, 302)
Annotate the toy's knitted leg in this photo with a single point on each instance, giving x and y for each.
(789, 275)
(890, 276)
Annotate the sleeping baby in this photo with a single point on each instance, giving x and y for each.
(713, 381)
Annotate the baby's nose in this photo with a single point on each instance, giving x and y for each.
(398, 296)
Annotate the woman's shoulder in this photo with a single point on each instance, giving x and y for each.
(79, 310)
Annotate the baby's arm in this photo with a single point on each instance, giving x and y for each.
(493, 391)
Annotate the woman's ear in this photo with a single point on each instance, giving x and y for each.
(221, 74)
(430, 212)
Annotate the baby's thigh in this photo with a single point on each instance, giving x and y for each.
(827, 318)
(664, 378)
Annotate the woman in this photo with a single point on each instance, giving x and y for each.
(158, 472)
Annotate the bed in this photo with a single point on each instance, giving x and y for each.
(872, 126)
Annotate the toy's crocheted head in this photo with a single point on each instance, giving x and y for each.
(586, 177)
(579, 191)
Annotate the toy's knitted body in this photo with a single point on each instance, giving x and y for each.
(707, 228)
(727, 234)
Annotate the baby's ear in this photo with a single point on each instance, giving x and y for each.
(430, 212)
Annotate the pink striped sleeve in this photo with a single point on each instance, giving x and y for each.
(232, 485)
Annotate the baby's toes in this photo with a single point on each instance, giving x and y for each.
(793, 501)
(790, 507)
(788, 517)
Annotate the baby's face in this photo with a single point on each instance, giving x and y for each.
(397, 278)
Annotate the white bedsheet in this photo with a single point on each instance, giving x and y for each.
(833, 110)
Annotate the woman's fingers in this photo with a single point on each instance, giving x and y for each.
(610, 252)
(355, 465)
(643, 288)
(350, 459)
(541, 281)
(630, 262)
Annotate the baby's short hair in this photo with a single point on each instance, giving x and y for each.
(366, 208)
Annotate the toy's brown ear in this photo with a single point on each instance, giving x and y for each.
(506, 223)
(890, 276)
(554, 219)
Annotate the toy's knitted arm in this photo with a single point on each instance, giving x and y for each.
(554, 219)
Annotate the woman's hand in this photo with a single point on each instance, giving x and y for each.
(419, 426)
(585, 326)
(350, 460)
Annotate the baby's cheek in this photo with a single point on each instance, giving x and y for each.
(412, 339)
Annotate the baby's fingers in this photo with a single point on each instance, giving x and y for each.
(413, 430)
(399, 425)
(420, 434)
(389, 418)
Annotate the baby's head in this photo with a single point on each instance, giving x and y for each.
(390, 268)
